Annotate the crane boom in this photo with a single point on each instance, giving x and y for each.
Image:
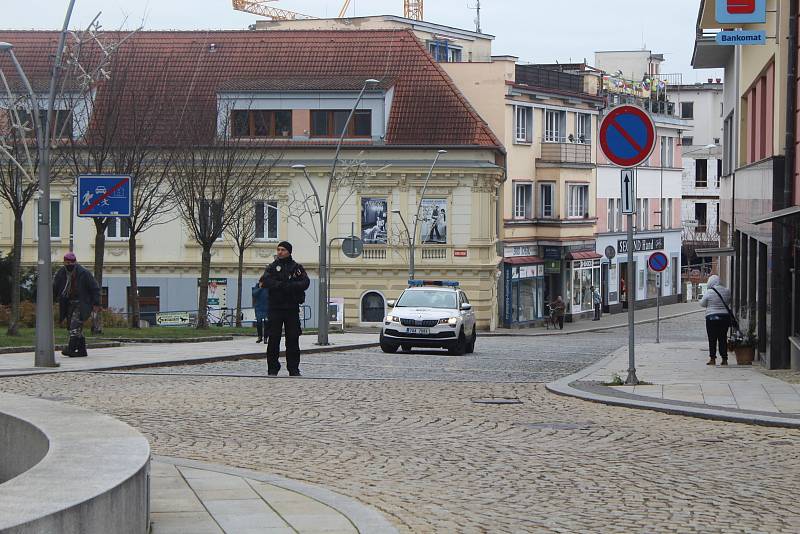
(343, 11)
(412, 9)
(258, 7)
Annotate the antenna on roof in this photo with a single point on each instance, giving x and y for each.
(477, 9)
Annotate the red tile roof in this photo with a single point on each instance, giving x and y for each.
(427, 108)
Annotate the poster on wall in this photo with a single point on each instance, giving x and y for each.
(217, 293)
(373, 220)
(434, 220)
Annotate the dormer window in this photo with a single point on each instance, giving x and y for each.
(261, 123)
(329, 123)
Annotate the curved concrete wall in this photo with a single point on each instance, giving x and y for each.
(70, 471)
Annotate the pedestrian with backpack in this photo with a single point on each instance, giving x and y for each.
(287, 281)
(716, 301)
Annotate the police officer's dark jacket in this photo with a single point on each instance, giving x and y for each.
(287, 282)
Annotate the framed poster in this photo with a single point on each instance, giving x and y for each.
(373, 220)
(433, 219)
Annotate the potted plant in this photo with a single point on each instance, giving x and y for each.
(744, 345)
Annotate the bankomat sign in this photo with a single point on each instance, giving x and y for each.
(741, 11)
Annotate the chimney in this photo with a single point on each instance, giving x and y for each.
(719, 80)
(711, 80)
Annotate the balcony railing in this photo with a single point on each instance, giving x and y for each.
(563, 152)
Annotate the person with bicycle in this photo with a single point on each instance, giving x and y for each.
(287, 281)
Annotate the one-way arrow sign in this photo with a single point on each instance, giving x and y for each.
(628, 191)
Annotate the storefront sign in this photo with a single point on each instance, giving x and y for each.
(528, 271)
(521, 250)
(741, 11)
(552, 267)
(551, 253)
(641, 245)
(742, 37)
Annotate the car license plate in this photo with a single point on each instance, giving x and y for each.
(418, 330)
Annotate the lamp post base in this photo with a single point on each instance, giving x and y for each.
(631, 380)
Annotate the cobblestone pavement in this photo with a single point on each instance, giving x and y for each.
(433, 460)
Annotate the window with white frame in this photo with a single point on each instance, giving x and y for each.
(578, 201)
(614, 218)
(55, 219)
(523, 200)
(546, 200)
(266, 220)
(668, 214)
(670, 160)
(583, 128)
(554, 126)
(618, 214)
(643, 213)
(118, 228)
(523, 124)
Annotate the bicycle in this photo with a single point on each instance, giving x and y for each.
(551, 317)
(220, 316)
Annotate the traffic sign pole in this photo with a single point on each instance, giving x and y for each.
(631, 380)
(658, 263)
(658, 308)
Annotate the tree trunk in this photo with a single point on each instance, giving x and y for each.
(239, 291)
(202, 300)
(100, 226)
(134, 291)
(16, 267)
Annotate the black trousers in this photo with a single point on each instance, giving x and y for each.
(289, 322)
(262, 327)
(717, 329)
(597, 312)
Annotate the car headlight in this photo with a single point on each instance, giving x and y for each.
(452, 321)
(392, 319)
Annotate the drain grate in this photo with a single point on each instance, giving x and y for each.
(557, 426)
(497, 400)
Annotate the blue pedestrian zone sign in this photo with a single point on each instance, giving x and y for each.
(104, 195)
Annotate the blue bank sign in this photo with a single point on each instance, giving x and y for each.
(103, 195)
(741, 37)
(741, 11)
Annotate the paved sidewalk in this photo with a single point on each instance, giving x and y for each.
(681, 382)
(607, 321)
(136, 355)
(189, 497)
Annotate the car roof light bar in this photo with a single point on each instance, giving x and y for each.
(440, 283)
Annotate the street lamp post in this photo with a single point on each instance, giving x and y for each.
(45, 346)
(413, 236)
(324, 212)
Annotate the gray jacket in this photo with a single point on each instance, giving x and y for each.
(712, 302)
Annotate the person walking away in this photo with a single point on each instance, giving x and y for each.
(559, 306)
(78, 295)
(261, 304)
(597, 302)
(716, 301)
(287, 282)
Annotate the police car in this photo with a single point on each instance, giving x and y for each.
(430, 314)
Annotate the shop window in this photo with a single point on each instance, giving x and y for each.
(585, 274)
(373, 308)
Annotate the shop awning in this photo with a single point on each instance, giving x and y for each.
(523, 260)
(775, 215)
(584, 255)
(721, 251)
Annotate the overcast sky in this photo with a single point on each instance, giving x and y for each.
(534, 30)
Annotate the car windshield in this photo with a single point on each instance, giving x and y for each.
(427, 299)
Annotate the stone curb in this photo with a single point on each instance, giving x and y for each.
(194, 361)
(98, 345)
(588, 330)
(155, 340)
(366, 519)
(566, 386)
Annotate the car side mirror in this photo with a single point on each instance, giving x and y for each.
(465, 306)
(391, 303)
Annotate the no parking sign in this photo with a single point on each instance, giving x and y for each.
(627, 136)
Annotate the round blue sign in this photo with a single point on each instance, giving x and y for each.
(658, 261)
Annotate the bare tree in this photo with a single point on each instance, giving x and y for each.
(242, 232)
(215, 181)
(18, 151)
(697, 237)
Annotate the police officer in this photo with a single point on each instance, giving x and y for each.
(78, 295)
(287, 282)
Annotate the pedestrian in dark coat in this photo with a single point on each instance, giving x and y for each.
(287, 282)
(261, 305)
(78, 295)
